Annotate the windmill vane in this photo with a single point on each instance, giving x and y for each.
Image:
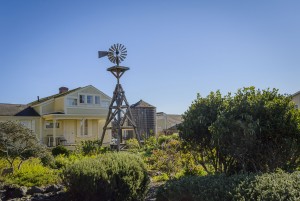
(116, 53)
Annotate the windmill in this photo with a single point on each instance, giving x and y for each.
(119, 112)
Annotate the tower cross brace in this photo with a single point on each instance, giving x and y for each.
(119, 110)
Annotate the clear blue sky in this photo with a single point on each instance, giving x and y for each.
(176, 49)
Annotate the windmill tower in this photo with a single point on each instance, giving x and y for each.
(119, 114)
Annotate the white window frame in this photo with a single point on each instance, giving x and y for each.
(84, 127)
(84, 98)
(49, 125)
(92, 99)
(73, 101)
(97, 103)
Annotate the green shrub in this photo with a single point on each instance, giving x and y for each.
(165, 138)
(61, 161)
(32, 173)
(48, 160)
(92, 147)
(111, 176)
(167, 159)
(150, 143)
(267, 187)
(192, 188)
(60, 150)
(89, 147)
(132, 145)
(162, 177)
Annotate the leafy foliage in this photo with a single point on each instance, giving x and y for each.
(62, 161)
(18, 141)
(251, 131)
(167, 158)
(111, 176)
(132, 145)
(32, 173)
(268, 187)
(60, 150)
(92, 147)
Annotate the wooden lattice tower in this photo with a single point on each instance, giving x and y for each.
(119, 114)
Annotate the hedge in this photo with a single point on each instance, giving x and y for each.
(111, 176)
(240, 187)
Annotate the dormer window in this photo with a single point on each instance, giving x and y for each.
(89, 99)
(97, 100)
(82, 99)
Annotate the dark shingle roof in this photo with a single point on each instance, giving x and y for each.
(142, 103)
(295, 94)
(53, 96)
(16, 110)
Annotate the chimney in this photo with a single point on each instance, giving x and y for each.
(63, 89)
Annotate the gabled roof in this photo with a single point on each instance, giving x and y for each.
(41, 100)
(53, 96)
(16, 110)
(295, 94)
(142, 103)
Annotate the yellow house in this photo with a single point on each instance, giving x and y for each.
(296, 99)
(65, 118)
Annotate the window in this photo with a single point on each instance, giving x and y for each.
(28, 124)
(84, 127)
(81, 98)
(296, 106)
(97, 100)
(50, 125)
(72, 101)
(89, 99)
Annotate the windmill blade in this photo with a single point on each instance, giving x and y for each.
(102, 54)
(111, 49)
(115, 47)
(116, 53)
(122, 57)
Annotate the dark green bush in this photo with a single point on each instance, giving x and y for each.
(267, 187)
(194, 188)
(48, 160)
(89, 147)
(111, 176)
(92, 147)
(60, 150)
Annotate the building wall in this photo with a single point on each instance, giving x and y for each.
(296, 100)
(87, 111)
(47, 108)
(165, 121)
(59, 104)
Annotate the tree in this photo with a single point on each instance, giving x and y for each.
(194, 130)
(17, 141)
(251, 131)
